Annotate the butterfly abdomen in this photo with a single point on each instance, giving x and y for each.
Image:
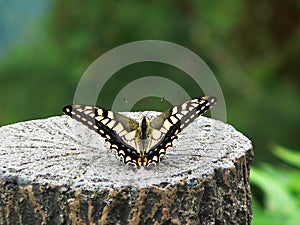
(144, 128)
(143, 136)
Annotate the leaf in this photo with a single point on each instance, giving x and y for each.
(281, 205)
(287, 155)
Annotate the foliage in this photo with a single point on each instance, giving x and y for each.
(280, 202)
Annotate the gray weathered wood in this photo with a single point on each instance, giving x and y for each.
(55, 171)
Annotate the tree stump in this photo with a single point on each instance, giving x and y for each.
(50, 174)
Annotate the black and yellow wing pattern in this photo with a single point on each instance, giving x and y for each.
(145, 142)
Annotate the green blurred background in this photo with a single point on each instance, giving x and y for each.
(252, 46)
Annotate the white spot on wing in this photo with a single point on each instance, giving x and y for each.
(114, 146)
(155, 158)
(100, 112)
(101, 131)
(111, 124)
(156, 134)
(77, 115)
(105, 121)
(123, 132)
(192, 116)
(167, 124)
(179, 116)
(110, 114)
(99, 118)
(173, 119)
(129, 136)
(128, 158)
(162, 151)
(184, 112)
(119, 128)
(163, 130)
(174, 110)
(121, 152)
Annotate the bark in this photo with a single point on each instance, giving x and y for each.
(55, 171)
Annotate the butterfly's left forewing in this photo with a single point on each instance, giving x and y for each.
(118, 130)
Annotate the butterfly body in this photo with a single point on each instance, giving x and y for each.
(143, 135)
(140, 143)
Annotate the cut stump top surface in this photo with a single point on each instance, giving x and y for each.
(60, 151)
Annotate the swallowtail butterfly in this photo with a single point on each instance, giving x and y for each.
(140, 143)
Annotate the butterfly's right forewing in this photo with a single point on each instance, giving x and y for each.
(171, 122)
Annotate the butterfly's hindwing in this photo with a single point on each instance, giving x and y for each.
(141, 143)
